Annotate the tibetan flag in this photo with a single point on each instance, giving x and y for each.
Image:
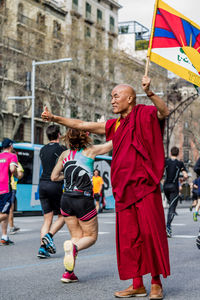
(175, 43)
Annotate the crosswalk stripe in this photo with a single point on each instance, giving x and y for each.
(185, 236)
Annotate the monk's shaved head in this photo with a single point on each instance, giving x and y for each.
(127, 88)
(123, 99)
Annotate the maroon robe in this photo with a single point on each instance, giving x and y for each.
(136, 170)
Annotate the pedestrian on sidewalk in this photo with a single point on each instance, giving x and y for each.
(75, 166)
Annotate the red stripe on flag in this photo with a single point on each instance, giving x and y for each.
(176, 26)
(161, 23)
(163, 42)
(197, 44)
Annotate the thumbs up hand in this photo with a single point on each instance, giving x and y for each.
(47, 116)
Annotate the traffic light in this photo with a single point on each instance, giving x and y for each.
(28, 81)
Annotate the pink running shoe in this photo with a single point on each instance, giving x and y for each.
(70, 255)
(69, 277)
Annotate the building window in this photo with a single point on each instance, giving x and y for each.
(99, 16)
(19, 136)
(75, 5)
(74, 86)
(86, 115)
(112, 24)
(99, 66)
(88, 60)
(88, 9)
(73, 111)
(38, 135)
(87, 91)
(19, 108)
(186, 141)
(38, 108)
(111, 70)
(40, 19)
(39, 40)
(20, 34)
(2, 3)
(110, 44)
(56, 29)
(186, 156)
(20, 8)
(87, 32)
(56, 49)
(98, 39)
(73, 83)
(98, 92)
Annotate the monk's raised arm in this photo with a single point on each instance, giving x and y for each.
(162, 108)
(93, 127)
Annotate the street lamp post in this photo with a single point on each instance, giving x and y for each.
(32, 97)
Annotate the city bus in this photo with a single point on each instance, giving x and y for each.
(27, 188)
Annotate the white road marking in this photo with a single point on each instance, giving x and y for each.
(108, 222)
(176, 224)
(185, 236)
(101, 232)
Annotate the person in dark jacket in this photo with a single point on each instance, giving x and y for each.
(173, 167)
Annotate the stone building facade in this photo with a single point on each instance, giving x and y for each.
(41, 30)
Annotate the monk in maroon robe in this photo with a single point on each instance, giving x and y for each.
(136, 170)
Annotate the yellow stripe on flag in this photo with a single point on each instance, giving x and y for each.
(175, 68)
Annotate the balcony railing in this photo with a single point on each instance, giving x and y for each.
(31, 23)
(18, 45)
(89, 17)
(18, 107)
(113, 30)
(100, 23)
(25, 48)
(76, 11)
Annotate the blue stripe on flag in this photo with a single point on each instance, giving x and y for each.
(158, 12)
(190, 31)
(159, 32)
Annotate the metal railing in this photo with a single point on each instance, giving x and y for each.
(31, 23)
(101, 22)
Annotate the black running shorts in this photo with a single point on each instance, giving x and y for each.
(97, 197)
(78, 205)
(5, 203)
(50, 193)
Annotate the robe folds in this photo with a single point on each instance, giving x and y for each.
(136, 170)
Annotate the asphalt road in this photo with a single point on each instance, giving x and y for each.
(24, 276)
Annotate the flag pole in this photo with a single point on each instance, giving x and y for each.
(151, 38)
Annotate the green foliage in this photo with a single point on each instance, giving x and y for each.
(141, 45)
